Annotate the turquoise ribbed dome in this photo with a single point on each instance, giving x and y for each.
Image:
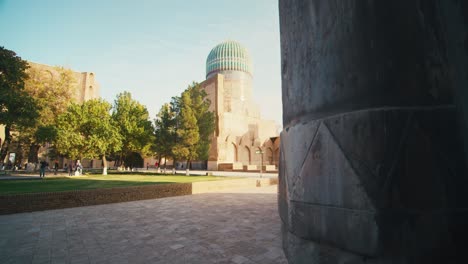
(229, 55)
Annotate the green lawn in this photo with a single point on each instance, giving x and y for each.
(93, 182)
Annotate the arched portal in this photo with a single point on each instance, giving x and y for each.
(245, 157)
(269, 156)
(276, 156)
(234, 149)
(231, 153)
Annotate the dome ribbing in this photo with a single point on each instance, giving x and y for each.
(229, 55)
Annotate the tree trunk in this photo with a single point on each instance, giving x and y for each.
(104, 163)
(174, 171)
(5, 144)
(187, 170)
(120, 160)
(33, 153)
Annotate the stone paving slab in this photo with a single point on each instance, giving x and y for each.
(242, 228)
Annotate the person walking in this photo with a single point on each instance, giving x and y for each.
(43, 167)
(79, 167)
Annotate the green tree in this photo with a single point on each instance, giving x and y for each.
(17, 108)
(187, 130)
(132, 120)
(165, 132)
(190, 117)
(88, 131)
(205, 119)
(53, 91)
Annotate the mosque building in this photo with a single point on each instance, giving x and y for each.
(242, 140)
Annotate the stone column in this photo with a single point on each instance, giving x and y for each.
(372, 166)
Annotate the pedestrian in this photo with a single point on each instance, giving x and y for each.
(147, 165)
(79, 167)
(56, 166)
(43, 167)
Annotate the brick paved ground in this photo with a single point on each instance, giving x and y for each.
(237, 228)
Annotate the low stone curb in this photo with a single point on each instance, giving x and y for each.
(30, 202)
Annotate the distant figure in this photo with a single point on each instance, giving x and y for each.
(65, 167)
(147, 166)
(56, 166)
(43, 167)
(79, 167)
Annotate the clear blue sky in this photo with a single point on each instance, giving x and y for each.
(150, 48)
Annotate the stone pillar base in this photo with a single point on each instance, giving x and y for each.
(381, 184)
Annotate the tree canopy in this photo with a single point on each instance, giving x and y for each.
(132, 121)
(205, 119)
(53, 91)
(194, 124)
(17, 108)
(187, 130)
(88, 131)
(165, 131)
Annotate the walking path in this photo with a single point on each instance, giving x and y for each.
(238, 226)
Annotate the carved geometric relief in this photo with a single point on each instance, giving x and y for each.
(328, 202)
(395, 168)
(327, 178)
(371, 141)
(295, 142)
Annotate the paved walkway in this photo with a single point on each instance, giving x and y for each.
(231, 227)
